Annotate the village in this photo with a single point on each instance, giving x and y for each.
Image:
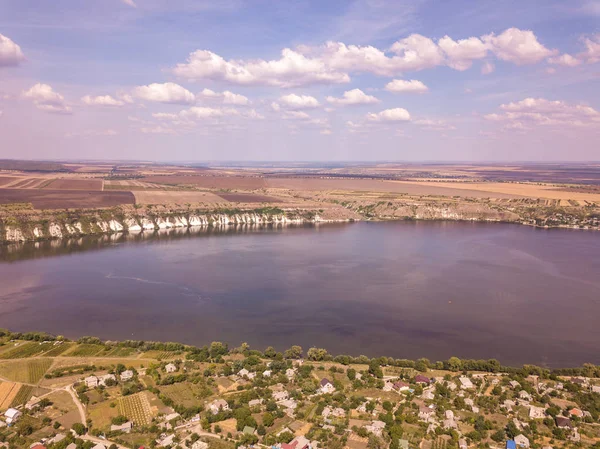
(156, 395)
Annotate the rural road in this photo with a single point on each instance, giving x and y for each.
(78, 403)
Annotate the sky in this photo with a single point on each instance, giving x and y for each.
(356, 80)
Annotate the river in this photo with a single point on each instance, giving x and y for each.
(401, 289)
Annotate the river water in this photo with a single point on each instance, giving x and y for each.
(401, 289)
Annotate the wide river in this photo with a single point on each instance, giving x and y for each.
(402, 289)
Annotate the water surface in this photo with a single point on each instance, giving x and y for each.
(401, 289)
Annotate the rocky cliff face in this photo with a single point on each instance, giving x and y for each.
(53, 227)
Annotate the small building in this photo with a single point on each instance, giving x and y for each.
(170, 368)
(462, 444)
(326, 386)
(290, 373)
(11, 416)
(255, 402)
(563, 422)
(537, 412)
(425, 413)
(376, 427)
(248, 430)
(218, 405)
(522, 441)
(465, 383)
(125, 427)
(280, 395)
(576, 412)
(200, 445)
(401, 386)
(420, 379)
(510, 444)
(91, 381)
(127, 375)
(267, 373)
(107, 377)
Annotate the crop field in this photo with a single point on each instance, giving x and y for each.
(25, 371)
(75, 184)
(188, 395)
(117, 352)
(25, 350)
(249, 198)
(136, 408)
(8, 392)
(22, 396)
(175, 197)
(58, 349)
(84, 351)
(63, 199)
(159, 355)
(210, 182)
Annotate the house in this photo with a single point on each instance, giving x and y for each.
(289, 404)
(576, 412)
(57, 438)
(280, 395)
(11, 416)
(301, 442)
(449, 424)
(32, 403)
(255, 402)
(267, 373)
(537, 412)
(99, 446)
(326, 386)
(401, 386)
(335, 412)
(37, 446)
(243, 372)
(200, 445)
(524, 395)
(388, 386)
(514, 384)
(170, 368)
(425, 413)
(428, 394)
(563, 423)
(166, 440)
(127, 375)
(578, 380)
(290, 373)
(465, 383)
(217, 405)
(462, 444)
(107, 377)
(376, 427)
(420, 379)
(91, 381)
(126, 427)
(403, 444)
(595, 388)
(71, 446)
(522, 441)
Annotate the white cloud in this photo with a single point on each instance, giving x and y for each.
(404, 86)
(390, 115)
(226, 97)
(157, 130)
(101, 100)
(565, 60)
(539, 111)
(292, 69)
(417, 52)
(46, 99)
(93, 133)
(592, 49)
(165, 93)
(130, 3)
(293, 101)
(434, 125)
(253, 114)
(198, 112)
(10, 53)
(487, 68)
(275, 106)
(326, 132)
(517, 46)
(296, 115)
(165, 116)
(353, 97)
(461, 54)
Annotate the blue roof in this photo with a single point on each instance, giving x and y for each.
(510, 444)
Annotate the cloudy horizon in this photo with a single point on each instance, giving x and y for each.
(359, 80)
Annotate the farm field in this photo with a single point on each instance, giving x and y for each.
(176, 197)
(371, 185)
(75, 184)
(58, 349)
(62, 199)
(249, 198)
(84, 350)
(22, 396)
(136, 407)
(186, 394)
(26, 371)
(24, 350)
(211, 182)
(8, 392)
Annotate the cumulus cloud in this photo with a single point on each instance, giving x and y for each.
(404, 86)
(46, 99)
(565, 60)
(93, 133)
(461, 54)
(130, 3)
(592, 49)
(517, 46)
(101, 100)
(165, 93)
(293, 101)
(295, 115)
(10, 53)
(389, 115)
(226, 97)
(540, 111)
(159, 129)
(353, 97)
(292, 69)
(199, 112)
(434, 125)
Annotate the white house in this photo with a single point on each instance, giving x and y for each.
(376, 427)
(91, 381)
(170, 368)
(11, 416)
(537, 412)
(267, 373)
(217, 405)
(243, 372)
(465, 383)
(280, 395)
(326, 387)
(127, 375)
(102, 379)
(126, 427)
(522, 441)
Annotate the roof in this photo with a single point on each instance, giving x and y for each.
(510, 444)
(249, 430)
(421, 378)
(324, 382)
(11, 413)
(561, 421)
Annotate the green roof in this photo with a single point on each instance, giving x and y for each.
(403, 444)
(249, 430)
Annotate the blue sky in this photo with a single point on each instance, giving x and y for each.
(300, 80)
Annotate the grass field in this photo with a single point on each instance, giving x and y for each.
(22, 396)
(58, 349)
(26, 371)
(159, 355)
(186, 394)
(117, 352)
(136, 408)
(25, 350)
(84, 351)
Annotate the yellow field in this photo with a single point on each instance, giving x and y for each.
(8, 392)
(136, 408)
(522, 189)
(25, 371)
